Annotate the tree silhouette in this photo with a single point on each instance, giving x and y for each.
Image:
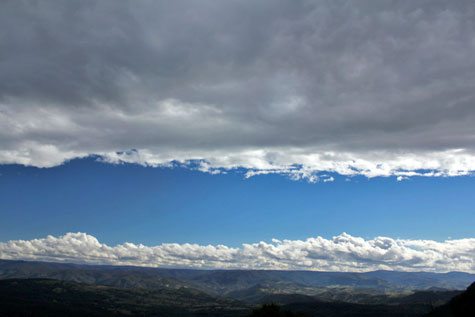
(273, 310)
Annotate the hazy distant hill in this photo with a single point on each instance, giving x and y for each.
(219, 282)
(422, 280)
(99, 275)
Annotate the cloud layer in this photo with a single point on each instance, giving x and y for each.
(341, 253)
(294, 87)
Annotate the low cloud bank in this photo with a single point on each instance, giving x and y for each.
(341, 253)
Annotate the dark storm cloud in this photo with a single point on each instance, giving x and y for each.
(378, 88)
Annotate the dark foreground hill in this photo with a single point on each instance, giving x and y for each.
(43, 297)
(461, 305)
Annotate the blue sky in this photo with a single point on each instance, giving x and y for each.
(131, 203)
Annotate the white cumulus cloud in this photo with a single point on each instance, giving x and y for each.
(341, 253)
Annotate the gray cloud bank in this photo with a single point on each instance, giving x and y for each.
(377, 88)
(341, 253)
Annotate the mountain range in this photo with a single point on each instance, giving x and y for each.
(126, 290)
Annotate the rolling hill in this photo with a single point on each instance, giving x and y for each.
(126, 291)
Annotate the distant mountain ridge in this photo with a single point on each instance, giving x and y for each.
(222, 281)
(219, 282)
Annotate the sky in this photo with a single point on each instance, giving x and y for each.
(316, 135)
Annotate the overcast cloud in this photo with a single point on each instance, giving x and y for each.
(377, 88)
(341, 253)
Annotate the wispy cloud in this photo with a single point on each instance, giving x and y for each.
(341, 253)
(292, 87)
